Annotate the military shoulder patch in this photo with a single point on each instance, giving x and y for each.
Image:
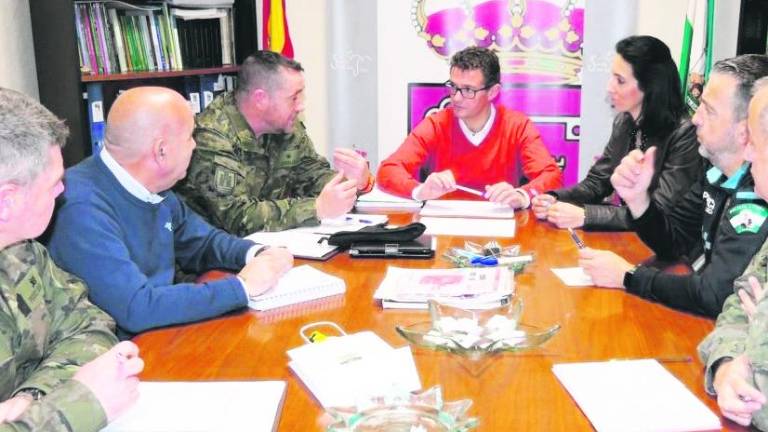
(747, 218)
(224, 180)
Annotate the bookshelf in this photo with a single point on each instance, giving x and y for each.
(67, 92)
(753, 27)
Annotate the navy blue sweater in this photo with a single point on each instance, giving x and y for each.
(125, 250)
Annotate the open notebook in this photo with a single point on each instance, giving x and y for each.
(300, 284)
(203, 406)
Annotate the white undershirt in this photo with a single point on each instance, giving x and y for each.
(477, 137)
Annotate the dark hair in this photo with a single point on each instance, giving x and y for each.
(260, 70)
(746, 69)
(659, 81)
(478, 58)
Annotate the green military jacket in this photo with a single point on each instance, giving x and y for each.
(244, 184)
(48, 328)
(736, 334)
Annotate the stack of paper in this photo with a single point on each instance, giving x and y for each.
(203, 406)
(469, 288)
(342, 371)
(468, 218)
(382, 200)
(300, 284)
(634, 395)
(470, 209)
(311, 242)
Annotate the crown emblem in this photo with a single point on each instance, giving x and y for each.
(536, 40)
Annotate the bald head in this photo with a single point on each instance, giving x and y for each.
(141, 116)
(149, 133)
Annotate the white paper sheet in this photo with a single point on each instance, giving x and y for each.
(468, 209)
(573, 276)
(203, 406)
(469, 227)
(380, 199)
(634, 395)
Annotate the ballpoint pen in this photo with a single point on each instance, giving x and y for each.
(365, 221)
(470, 190)
(580, 244)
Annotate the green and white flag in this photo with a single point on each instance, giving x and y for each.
(696, 58)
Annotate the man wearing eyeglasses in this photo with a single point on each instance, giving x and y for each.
(472, 143)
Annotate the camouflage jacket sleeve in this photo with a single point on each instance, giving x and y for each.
(79, 331)
(71, 407)
(728, 339)
(734, 334)
(243, 197)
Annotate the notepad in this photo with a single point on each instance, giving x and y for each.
(300, 284)
(203, 406)
(634, 395)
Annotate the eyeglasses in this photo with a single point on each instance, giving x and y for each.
(466, 92)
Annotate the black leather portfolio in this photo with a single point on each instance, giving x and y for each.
(422, 247)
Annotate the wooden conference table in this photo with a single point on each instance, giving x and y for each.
(517, 392)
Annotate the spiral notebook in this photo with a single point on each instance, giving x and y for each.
(300, 284)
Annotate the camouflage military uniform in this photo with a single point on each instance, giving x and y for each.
(244, 184)
(48, 328)
(735, 334)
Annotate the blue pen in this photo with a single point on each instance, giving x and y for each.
(484, 260)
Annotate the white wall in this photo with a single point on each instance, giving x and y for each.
(664, 19)
(401, 60)
(17, 68)
(307, 21)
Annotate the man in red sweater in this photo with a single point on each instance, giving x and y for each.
(472, 143)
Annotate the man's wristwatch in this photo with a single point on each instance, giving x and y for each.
(629, 275)
(34, 393)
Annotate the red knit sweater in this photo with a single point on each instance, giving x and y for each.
(512, 149)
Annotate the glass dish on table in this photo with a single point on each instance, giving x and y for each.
(425, 411)
(476, 333)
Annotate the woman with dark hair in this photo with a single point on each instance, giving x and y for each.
(645, 91)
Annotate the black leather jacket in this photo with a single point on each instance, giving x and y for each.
(678, 165)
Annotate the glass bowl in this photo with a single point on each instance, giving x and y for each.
(476, 333)
(414, 412)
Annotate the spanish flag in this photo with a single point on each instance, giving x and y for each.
(275, 25)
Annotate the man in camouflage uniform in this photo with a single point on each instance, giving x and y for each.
(736, 352)
(57, 371)
(255, 167)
